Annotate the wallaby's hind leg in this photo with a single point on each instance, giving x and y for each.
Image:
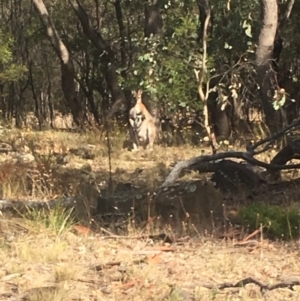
(135, 144)
(135, 148)
(133, 138)
(150, 147)
(151, 137)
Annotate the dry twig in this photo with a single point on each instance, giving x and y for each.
(263, 287)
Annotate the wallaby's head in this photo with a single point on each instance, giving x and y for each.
(138, 95)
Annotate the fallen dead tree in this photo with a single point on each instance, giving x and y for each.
(228, 175)
(18, 206)
(291, 151)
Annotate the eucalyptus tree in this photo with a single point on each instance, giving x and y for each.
(86, 56)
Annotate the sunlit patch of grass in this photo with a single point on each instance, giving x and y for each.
(13, 180)
(14, 266)
(43, 250)
(47, 294)
(66, 272)
(57, 219)
(39, 239)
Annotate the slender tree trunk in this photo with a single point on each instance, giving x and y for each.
(107, 56)
(217, 113)
(153, 19)
(35, 97)
(3, 104)
(266, 76)
(125, 56)
(67, 67)
(153, 27)
(50, 106)
(122, 32)
(202, 7)
(11, 102)
(278, 44)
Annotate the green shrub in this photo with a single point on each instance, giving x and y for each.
(57, 219)
(278, 222)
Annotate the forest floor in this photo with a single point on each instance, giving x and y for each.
(49, 258)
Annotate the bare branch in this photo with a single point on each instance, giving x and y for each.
(285, 131)
(263, 287)
(193, 162)
(286, 14)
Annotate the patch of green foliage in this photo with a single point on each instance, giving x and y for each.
(9, 71)
(278, 222)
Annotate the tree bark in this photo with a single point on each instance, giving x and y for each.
(122, 31)
(202, 80)
(202, 7)
(67, 67)
(153, 19)
(278, 44)
(153, 26)
(266, 76)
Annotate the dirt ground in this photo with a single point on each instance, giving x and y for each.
(84, 266)
(52, 259)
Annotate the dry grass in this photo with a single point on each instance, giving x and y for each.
(44, 258)
(49, 267)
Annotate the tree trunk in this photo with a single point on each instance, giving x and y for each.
(266, 76)
(107, 56)
(126, 57)
(122, 31)
(213, 113)
(35, 97)
(278, 44)
(153, 26)
(67, 67)
(202, 7)
(153, 19)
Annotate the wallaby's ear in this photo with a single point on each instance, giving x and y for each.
(138, 95)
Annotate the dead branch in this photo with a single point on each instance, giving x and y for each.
(109, 265)
(257, 231)
(162, 236)
(194, 163)
(252, 244)
(291, 151)
(263, 287)
(272, 138)
(278, 162)
(21, 206)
